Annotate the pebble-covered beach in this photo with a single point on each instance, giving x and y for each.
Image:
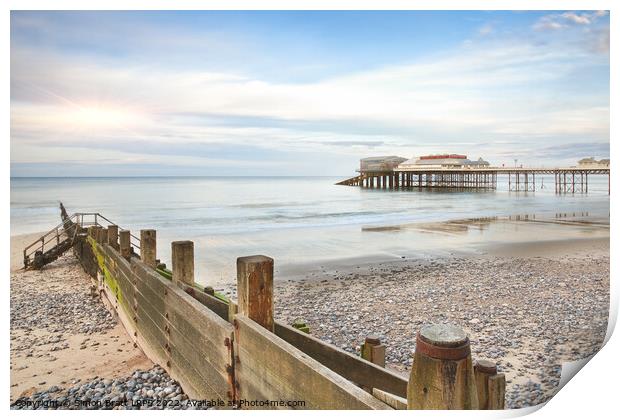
(69, 352)
(527, 314)
(152, 390)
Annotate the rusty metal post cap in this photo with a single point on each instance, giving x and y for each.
(486, 366)
(443, 341)
(373, 340)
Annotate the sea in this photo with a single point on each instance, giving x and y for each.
(298, 221)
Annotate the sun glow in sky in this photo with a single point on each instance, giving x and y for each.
(97, 116)
(282, 93)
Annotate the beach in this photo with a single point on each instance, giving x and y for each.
(528, 305)
(65, 345)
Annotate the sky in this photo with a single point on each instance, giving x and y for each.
(302, 93)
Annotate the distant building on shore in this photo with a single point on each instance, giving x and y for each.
(380, 163)
(443, 161)
(590, 162)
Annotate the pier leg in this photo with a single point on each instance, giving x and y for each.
(255, 289)
(564, 182)
(183, 262)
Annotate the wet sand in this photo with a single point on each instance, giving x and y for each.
(529, 305)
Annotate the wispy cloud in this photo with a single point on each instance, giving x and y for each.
(556, 21)
(494, 97)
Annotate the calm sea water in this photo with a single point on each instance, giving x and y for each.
(293, 219)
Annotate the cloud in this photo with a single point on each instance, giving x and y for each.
(490, 98)
(564, 20)
(580, 19)
(486, 29)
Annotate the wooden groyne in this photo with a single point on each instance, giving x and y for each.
(238, 354)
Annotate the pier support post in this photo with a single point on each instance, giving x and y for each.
(442, 377)
(255, 289)
(148, 247)
(125, 243)
(183, 262)
(373, 351)
(113, 236)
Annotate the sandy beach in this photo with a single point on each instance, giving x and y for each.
(527, 305)
(61, 335)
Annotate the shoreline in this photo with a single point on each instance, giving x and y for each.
(505, 236)
(498, 292)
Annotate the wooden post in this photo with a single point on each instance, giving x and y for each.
(94, 233)
(442, 376)
(483, 370)
(183, 262)
(113, 236)
(125, 240)
(103, 236)
(497, 392)
(373, 351)
(255, 289)
(148, 247)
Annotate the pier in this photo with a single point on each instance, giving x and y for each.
(566, 180)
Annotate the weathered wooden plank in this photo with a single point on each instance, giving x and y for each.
(209, 326)
(198, 334)
(155, 336)
(192, 361)
(149, 276)
(154, 298)
(270, 368)
(211, 340)
(497, 392)
(211, 302)
(195, 361)
(117, 281)
(394, 401)
(352, 367)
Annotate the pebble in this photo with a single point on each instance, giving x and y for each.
(135, 392)
(518, 312)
